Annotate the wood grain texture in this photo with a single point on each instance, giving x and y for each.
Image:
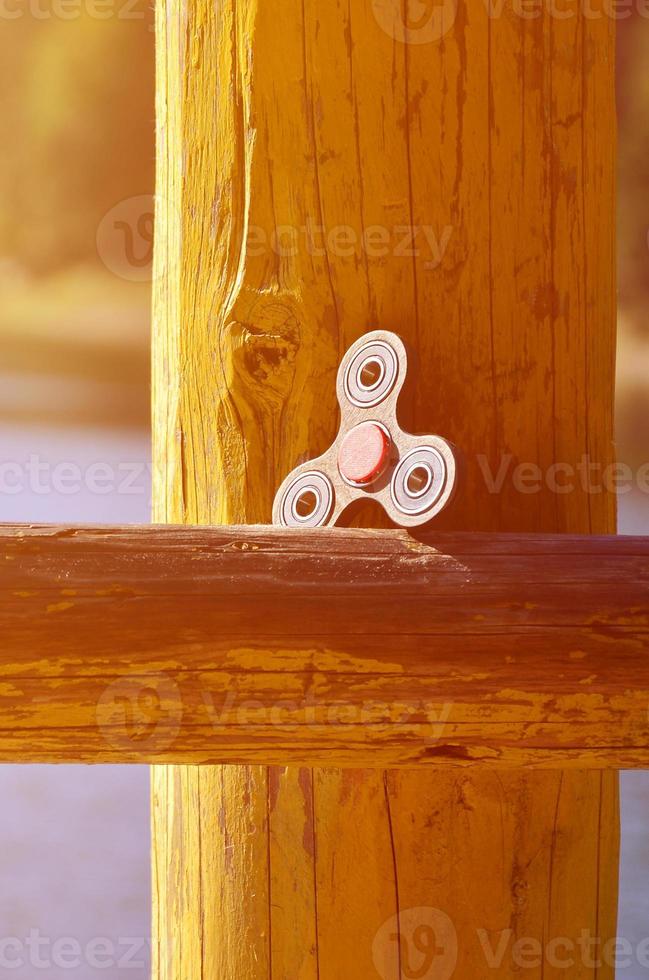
(353, 648)
(497, 141)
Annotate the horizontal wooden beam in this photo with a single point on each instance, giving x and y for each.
(341, 647)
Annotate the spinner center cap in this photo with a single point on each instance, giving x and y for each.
(364, 453)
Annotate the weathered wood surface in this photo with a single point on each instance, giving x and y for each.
(365, 648)
(497, 140)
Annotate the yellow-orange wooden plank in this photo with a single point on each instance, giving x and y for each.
(493, 139)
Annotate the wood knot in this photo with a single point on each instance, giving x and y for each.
(265, 347)
(520, 890)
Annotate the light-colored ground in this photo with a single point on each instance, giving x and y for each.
(74, 841)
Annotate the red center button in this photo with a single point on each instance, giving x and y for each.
(364, 453)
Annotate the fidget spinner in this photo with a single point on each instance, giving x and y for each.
(412, 477)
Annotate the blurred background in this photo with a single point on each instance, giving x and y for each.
(76, 224)
(76, 232)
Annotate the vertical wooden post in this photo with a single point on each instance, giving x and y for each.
(323, 171)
